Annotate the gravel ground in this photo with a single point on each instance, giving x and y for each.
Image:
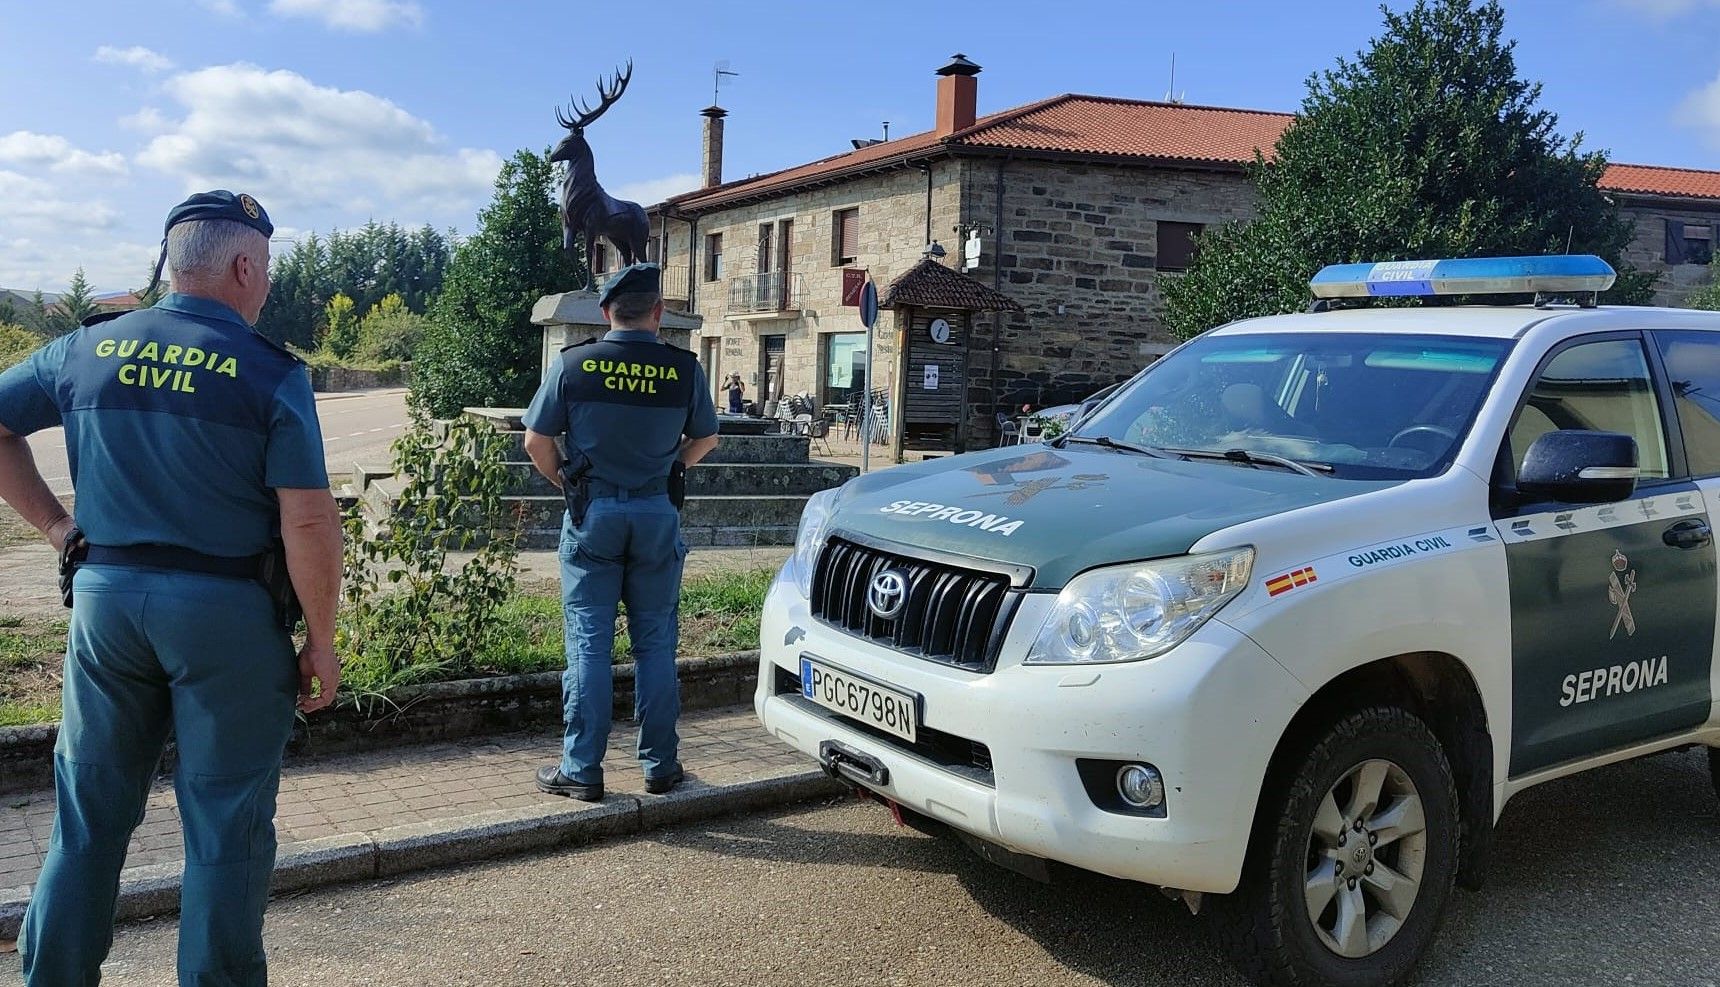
(1605, 879)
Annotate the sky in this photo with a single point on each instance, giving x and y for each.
(336, 112)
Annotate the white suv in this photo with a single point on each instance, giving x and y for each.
(1283, 623)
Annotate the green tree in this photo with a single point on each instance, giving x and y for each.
(1427, 145)
(16, 343)
(77, 304)
(389, 332)
(341, 337)
(1708, 296)
(8, 310)
(480, 347)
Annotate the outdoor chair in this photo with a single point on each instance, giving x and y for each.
(819, 430)
(800, 424)
(1031, 431)
(1007, 431)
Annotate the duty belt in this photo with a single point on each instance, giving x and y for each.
(176, 558)
(650, 488)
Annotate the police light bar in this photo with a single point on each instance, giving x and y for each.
(1557, 275)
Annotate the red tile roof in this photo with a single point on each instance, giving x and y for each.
(1128, 130)
(1656, 180)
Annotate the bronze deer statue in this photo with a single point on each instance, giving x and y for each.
(585, 207)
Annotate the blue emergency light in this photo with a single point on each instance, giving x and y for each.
(1556, 275)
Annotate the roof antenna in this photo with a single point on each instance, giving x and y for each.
(717, 72)
(1171, 93)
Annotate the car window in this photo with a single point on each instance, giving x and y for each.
(1370, 405)
(1693, 365)
(1596, 387)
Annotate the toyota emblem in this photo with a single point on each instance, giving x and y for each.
(888, 594)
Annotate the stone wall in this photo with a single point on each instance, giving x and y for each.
(892, 217)
(1647, 250)
(1079, 251)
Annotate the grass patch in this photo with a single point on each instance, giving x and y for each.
(719, 615)
(31, 652)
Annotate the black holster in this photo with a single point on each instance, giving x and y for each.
(278, 582)
(576, 487)
(72, 555)
(678, 484)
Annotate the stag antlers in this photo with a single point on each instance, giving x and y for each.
(606, 94)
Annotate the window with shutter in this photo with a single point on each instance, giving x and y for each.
(713, 256)
(845, 237)
(1176, 245)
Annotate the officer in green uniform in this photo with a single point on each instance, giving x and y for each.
(197, 462)
(635, 413)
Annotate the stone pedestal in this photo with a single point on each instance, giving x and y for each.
(574, 316)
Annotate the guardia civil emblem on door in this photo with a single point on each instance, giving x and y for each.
(1621, 585)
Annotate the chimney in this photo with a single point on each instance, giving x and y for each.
(713, 155)
(958, 95)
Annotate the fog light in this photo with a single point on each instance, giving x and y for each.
(1140, 786)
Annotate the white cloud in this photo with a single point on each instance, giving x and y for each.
(354, 15)
(654, 190)
(26, 149)
(1701, 111)
(33, 203)
(136, 56)
(147, 120)
(298, 147)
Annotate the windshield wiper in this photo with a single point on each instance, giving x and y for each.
(1256, 459)
(1109, 443)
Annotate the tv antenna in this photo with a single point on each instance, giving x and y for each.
(717, 72)
(1171, 93)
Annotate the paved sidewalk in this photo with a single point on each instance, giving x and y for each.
(363, 794)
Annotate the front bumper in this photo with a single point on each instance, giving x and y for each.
(1208, 715)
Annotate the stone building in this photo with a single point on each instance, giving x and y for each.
(1078, 208)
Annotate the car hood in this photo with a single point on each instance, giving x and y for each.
(1064, 510)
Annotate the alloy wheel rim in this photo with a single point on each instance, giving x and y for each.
(1367, 850)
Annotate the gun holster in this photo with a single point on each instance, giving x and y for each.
(278, 582)
(77, 547)
(576, 487)
(678, 484)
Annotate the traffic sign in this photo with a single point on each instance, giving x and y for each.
(869, 305)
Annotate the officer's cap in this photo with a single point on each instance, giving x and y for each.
(221, 204)
(641, 279)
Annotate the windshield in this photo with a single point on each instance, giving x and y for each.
(1369, 406)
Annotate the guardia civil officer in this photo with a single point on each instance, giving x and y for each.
(193, 444)
(635, 412)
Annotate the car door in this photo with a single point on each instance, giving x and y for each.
(1612, 605)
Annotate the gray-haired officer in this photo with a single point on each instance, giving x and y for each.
(636, 413)
(194, 445)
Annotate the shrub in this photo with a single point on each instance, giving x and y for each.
(389, 332)
(411, 616)
(16, 343)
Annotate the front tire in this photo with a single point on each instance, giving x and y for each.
(1348, 879)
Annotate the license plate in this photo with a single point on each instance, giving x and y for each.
(891, 710)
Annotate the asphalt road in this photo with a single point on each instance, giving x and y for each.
(1605, 879)
(356, 428)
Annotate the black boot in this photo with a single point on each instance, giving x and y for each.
(661, 786)
(551, 781)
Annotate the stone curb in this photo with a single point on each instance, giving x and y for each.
(154, 889)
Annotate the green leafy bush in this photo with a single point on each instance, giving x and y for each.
(389, 333)
(16, 343)
(1708, 296)
(411, 616)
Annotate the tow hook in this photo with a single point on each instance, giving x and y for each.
(844, 763)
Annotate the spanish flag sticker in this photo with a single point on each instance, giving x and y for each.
(1279, 585)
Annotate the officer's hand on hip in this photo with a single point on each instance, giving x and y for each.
(317, 662)
(58, 531)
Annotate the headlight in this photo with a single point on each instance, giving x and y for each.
(814, 525)
(1142, 610)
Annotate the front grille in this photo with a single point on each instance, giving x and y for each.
(952, 615)
(958, 755)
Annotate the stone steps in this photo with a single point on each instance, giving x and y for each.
(721, 479)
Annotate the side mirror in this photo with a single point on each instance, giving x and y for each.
(1578, 467)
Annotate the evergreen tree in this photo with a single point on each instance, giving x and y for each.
(77, 304)
(1427, 145)
(480, 347)
(342, 335)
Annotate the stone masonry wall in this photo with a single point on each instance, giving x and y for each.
(1079, 251)
(892, 218)
(1647, 250)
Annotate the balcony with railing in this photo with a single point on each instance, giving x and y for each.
(764, 296)
(675, 283)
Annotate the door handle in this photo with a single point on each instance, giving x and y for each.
(1688, 534)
